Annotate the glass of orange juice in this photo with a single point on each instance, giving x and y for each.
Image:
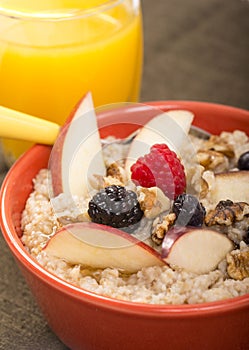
(53, 52)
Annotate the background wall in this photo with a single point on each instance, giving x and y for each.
(196, 50)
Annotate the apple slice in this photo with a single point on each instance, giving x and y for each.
(77, 152)
(233, 185)
(195, 250)
(101, 246)
(171, 128)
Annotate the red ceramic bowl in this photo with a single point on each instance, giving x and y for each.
(84, 320)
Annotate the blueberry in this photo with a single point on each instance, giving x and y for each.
(189, 211)
(246, 238)
(243, 162)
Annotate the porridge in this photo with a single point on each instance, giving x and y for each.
(153, 211)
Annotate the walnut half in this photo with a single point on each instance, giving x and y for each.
(226, 213)
(238, 264)
(213, 160)
(162, 228)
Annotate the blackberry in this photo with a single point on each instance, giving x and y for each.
(189, 211)
(243, 162)
(117, 207)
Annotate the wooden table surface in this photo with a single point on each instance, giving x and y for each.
(193, 50)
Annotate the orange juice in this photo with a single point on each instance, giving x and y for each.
(50, 58)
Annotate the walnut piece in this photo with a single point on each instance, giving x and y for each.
(114, 171)
(212, 160)
(162, 228)
(111, 181)
(115, 175)
(152, 201)
(204, 188)
(218, 144)
(227, 213)
(195, 180)
(238, 264)
(65, 220)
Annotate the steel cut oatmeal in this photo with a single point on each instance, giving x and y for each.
(154, 210)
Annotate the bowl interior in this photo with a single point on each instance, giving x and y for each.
(213, 118)
(18, 183)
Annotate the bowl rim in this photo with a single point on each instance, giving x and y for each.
(202, 104)
(83, 295)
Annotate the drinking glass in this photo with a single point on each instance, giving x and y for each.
(53, 52)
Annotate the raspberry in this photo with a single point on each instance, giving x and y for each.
(117, 207)
(160, 168)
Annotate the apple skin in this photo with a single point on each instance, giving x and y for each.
(101, 246)
(77, 152)
(197, 250)
(170, 128)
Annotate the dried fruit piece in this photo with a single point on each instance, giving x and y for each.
(161, 168)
